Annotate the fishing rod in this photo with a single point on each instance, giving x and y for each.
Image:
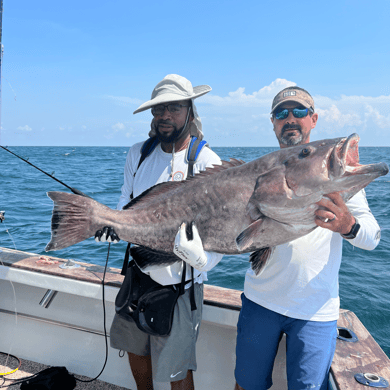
(74, 190)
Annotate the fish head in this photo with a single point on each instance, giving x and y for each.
(329, 166)
(302, 174)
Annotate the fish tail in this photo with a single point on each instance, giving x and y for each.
(73, 219)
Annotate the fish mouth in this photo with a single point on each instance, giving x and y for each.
(344, 160)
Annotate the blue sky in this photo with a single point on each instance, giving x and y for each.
(74, 71)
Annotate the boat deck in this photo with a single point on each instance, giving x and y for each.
(28, 368)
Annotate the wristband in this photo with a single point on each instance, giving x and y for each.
(354, 231)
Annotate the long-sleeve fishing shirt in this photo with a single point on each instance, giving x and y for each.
(301, 278)
(160, 167)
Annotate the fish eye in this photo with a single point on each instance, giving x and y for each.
(304, 153)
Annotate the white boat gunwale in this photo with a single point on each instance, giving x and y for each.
(221, 309)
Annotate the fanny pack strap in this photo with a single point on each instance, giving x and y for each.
(126, 260)
(183, 278)
(192, 288)
(192, 292)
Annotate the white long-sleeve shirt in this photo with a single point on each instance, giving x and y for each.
(157, 168)
(300, 279)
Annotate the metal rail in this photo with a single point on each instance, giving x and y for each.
(53, 322)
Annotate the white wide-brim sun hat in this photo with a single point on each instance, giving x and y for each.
(173, 88)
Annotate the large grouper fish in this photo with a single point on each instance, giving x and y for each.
(237, 207)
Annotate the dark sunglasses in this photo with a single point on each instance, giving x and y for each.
(173, 108)
(297, 112)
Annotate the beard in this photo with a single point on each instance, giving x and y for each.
(291, 139)
(174, 136)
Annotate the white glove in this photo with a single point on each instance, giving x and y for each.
(190, 251)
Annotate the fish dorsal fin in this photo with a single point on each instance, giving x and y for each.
(162, 188)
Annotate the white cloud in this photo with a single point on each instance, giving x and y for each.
(25, 128)
(123, 100)
(260, 98)
(243, 118)
(335, 117)
(378, 119)
(118, 126)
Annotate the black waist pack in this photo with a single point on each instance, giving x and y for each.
(52, 378)
(147, 302)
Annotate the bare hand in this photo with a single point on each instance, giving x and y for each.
(334, 214)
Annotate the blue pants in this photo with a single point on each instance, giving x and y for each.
(310, 348)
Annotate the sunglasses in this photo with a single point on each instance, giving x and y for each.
(297, 112)
(173, 108)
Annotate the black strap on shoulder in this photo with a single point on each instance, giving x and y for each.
(194, 149)
(147, 148)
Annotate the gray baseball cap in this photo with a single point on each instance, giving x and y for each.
(293, 94)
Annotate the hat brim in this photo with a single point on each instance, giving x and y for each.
(293, 99)
(172, 97)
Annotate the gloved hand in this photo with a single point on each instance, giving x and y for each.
(107, 234)
(191, 251)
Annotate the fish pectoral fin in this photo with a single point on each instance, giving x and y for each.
(259, 259)
(245, 239)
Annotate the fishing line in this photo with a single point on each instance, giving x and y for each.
(9, 86)
(74, 190)
(21, 380)
(14, 293)
(77, 192)
(104, 321)
(7, 231)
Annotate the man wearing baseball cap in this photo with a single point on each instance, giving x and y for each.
(297, 292)
(293, 129)
(174, 122)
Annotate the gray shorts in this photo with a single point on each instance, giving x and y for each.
(172, 356)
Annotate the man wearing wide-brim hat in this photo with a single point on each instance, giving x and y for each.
(175, 121)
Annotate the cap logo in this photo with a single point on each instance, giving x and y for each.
(289, 93)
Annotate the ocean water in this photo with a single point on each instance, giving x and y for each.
(98, 172)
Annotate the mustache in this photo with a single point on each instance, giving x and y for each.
(291, 126)
(165, 122)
